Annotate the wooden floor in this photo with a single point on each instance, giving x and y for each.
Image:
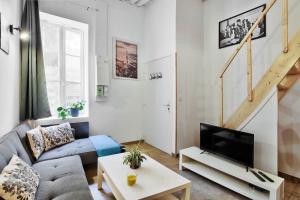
(292, 188)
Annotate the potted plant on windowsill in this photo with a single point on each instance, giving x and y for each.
(75, 108)
(63, 112)
(134, 157)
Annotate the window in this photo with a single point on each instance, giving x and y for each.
(65, 55)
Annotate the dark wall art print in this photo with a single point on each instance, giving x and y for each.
(4, 34)
(234, 29)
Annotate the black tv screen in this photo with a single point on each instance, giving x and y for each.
(231, 144)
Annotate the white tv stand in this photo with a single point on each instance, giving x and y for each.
(230, 175)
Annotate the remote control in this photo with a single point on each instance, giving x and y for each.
(266, 177)
(258, 176)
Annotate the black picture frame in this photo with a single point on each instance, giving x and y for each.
(230, 35)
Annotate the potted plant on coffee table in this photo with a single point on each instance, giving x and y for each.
(76, 107)
(134, 157)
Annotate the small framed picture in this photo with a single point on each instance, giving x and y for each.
(233, 30)
(125, 59)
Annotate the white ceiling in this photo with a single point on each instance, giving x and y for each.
(138, 3)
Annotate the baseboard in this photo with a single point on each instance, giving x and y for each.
(289, 177)
(133, 142)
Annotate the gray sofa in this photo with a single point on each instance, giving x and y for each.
(61, 169)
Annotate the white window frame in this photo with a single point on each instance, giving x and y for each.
(74, 26)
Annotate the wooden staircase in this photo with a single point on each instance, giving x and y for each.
(283, 73)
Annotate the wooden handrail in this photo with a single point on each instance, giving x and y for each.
(250, 32)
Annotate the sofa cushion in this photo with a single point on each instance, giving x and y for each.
(55, 136)
(80, 130)
(82, 147)
(18, 180)
(62, 179)
(22, 132)
(10, 145)
(105, 145)
(36, 141)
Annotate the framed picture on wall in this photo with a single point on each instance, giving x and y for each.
(233, 30)
(4, 34)
(125, 59)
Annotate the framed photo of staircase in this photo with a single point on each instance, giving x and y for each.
(234, 29)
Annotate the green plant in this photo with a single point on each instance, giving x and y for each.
(134, 157)
(63, 113)
(78, 105)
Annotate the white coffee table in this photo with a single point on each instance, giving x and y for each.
(154, 181)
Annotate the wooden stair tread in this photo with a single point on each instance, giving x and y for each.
(288, 81)
(297, 65)
(296, 69)
(277, 72)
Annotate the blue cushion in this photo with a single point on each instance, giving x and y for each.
(105, 145)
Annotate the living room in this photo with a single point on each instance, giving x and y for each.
(86, 83)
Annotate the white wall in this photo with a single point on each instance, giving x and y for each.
(189, 44)
(289, 132)
(160, 49)
(263, 123)
(121, 115)
(160, 29)
(176, 26)
(9, 69)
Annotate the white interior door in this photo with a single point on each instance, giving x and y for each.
(159, 104)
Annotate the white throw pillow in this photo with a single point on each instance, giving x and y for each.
(36, 141)
(18, 180)
(57, 135)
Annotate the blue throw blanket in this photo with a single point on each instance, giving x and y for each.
(105, 145)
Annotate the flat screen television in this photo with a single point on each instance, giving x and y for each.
(231, 144)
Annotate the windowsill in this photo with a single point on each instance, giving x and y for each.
(56, 120)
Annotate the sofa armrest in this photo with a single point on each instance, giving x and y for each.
(81, 130)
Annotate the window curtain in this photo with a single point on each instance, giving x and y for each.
(34, 102)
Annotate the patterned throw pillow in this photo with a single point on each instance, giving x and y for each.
(36, 141)
(57, 135)
(18, 181)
